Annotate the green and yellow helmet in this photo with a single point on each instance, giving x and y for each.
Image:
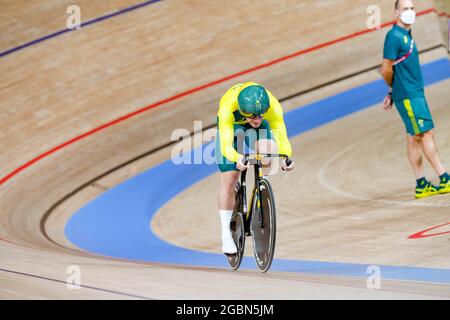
(253, 101)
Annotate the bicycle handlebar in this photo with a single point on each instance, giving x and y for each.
(247, 157)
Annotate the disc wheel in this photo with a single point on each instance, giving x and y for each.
(263, 235)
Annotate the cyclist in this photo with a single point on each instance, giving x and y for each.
(249, 116)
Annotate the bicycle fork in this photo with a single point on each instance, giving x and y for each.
(258, 177)
(243, 194)
(248, 212)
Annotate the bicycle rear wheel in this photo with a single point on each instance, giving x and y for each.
(237, 230)
(264, 236)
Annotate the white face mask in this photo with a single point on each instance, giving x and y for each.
(408, 17)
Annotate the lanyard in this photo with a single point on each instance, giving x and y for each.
(406, 55)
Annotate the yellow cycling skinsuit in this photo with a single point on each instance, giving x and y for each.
(230, 122)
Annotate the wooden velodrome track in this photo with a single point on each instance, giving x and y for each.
(58, 89)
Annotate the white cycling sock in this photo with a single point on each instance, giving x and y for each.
(225, 219)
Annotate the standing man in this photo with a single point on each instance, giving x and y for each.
(401, 71)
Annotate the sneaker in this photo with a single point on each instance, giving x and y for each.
(228, 245)
(444, 187)
(427, 191)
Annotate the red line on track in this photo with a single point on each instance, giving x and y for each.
(7, 241)
(194, 90)
(422, 234)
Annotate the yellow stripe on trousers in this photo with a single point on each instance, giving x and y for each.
(411, 115)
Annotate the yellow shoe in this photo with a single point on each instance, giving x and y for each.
(444, 187)
(427, 191)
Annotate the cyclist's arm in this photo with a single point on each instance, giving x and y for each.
(276, 122)
(226, 133)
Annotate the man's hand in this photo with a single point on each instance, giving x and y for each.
(285, 167)
(387, 103)
(241, 166)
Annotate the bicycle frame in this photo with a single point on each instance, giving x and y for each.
(258, 176)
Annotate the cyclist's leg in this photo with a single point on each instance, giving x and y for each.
(226, 190)
(266, 144)
(226, 202)
(228, 178)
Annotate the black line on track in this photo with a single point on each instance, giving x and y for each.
(81, 285)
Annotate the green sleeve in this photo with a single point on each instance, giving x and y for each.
(276, 122)
(226, 130)
(391, 47)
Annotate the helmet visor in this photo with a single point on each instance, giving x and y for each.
(252, 115)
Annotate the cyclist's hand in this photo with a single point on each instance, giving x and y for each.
(387, 103)
(285, 167)
(241, 166)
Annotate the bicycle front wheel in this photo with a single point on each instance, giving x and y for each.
(263, 226)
